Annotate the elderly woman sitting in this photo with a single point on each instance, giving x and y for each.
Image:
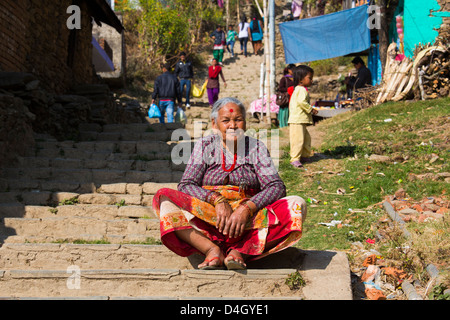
(231, 204)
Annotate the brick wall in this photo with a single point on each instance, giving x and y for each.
(34, 38)
(13, 26)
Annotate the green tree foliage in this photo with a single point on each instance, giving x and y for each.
(162, 29)
(157, 31)
(166, 27)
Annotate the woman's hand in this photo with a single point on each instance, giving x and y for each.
(223, 212)
(235, 224)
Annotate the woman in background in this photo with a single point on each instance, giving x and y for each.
(285, 82)
(213, 86)
(256, 34)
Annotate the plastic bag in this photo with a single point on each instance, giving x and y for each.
(153, 111)
(196, 92)
(180, 116)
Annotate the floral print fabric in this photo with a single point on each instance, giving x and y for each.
(281, 220)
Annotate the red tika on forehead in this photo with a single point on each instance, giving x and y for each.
(231, 110)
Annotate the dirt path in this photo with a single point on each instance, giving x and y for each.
(242, 75)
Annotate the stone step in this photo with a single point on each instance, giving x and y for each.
(129, 127)
(36, 185)
(153, 272)
(125, 136)
(114, 146)
(69, 198)
(69, 229)
(134, 163)
(101, 211)
(54, 256)
(136, 132)
(153, 153)
(96, 176)
(156, 283)
(141, 127)
(115, 151)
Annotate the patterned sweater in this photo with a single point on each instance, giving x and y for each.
(254, 169)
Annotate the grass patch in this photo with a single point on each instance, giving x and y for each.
(414, 135)
(295, 281)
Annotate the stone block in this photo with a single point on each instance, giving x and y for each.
(108, 176)
(103, 146)
(151, 147)
(16, 184)
(95, 163)
(36, 198)
(85, 145)
(90, 127)
(134, 188)
(136, 212)
(120, 164)
(147, 200)
(129, 199)
(67, 163)
(152, 187)
(109, 136)
(88, 135)
(75, 175)
(130, 136)
(139, 176)
(153, 165)
(58, 197)
(128, 147)
(112, 188)
(96, 198)
(163, 176)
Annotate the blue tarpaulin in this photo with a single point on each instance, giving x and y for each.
(327, 36)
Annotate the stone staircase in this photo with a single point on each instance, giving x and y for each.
(76, 221)
(81, 211)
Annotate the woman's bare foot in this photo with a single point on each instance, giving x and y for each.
(213, 260)
(235, 261)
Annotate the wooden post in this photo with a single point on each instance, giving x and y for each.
(261, 91)
(238, 11)
(259, 8)
(267, 56)
(227, 9)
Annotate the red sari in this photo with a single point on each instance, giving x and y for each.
(282, 221)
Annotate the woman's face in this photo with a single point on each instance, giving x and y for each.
(230, 122)
(214, 62)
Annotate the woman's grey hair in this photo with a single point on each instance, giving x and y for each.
(219, 104)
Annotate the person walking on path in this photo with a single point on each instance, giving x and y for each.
(285, 82)
(256, 34)
(219, 42)
(185, 73)
(300, 116)
(213, 86)
(231, 39)
(244, 27)
(167, 89)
